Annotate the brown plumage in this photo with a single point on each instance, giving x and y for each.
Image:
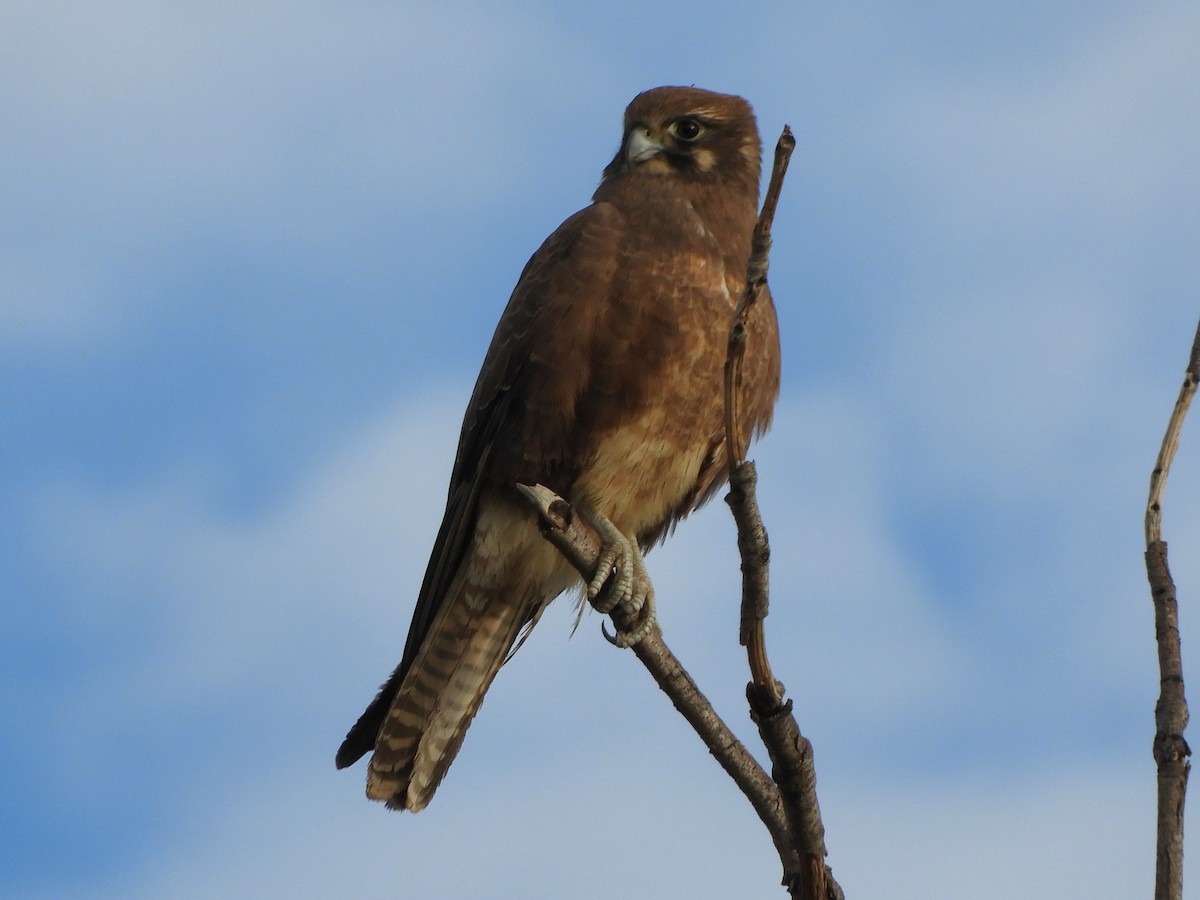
(602, 382)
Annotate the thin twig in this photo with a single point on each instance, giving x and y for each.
(1171, 752)
(752, 541)
(756, 280)
(1170, 443)
(791, 753)
(581, 548)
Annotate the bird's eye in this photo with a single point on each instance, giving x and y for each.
(686, 129)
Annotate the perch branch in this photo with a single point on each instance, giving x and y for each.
(752, 538)
(581, 548)
(791, 753)
(1171, 751)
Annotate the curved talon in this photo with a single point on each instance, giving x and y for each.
(635, 635)
(622, 570)
(646, 618)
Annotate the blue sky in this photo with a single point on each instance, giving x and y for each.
(250, 258)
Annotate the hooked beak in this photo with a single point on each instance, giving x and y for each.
(642, 146)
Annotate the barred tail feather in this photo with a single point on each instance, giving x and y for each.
(439, 697)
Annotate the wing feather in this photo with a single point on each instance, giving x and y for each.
(521, 411)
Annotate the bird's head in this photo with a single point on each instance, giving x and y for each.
(689, 133)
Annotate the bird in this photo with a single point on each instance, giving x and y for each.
(603, 382)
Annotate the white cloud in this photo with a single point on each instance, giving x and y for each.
(865, 624)
(44, 294)
(596, 826)
(1106, 129)
(343, 548)
(576, 825)
(1075, 830)
(267, 618)
(288, 609)
(1000, 377)
(151, 134)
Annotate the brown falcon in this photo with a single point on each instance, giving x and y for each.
(602, 382)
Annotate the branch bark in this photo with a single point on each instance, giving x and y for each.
(581, 548)
(1171, 752)
(791, 753)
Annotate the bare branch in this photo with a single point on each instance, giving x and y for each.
(756, 280)
(1170, 443)
(581, 548)
(752, 536)
(1171, 752)
(791, 753)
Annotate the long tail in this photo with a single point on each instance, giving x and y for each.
(440, 695)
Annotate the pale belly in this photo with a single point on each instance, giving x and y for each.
(637, 476)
